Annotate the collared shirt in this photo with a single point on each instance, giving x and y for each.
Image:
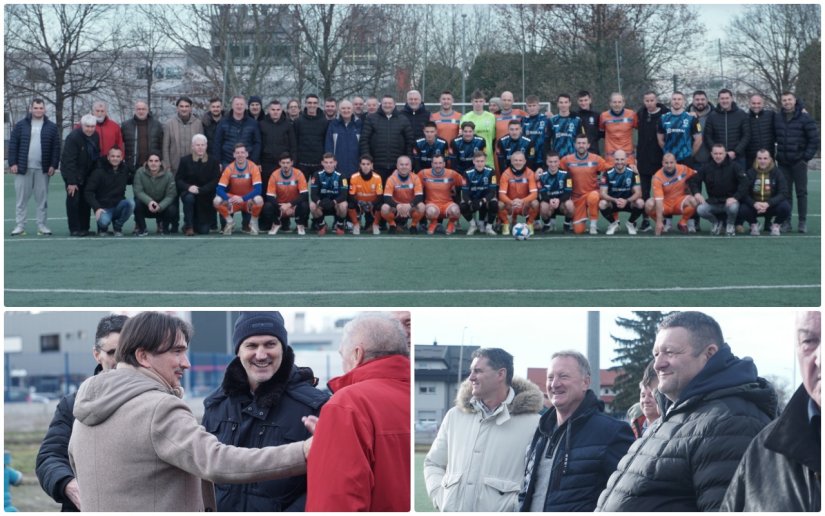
(487, 411)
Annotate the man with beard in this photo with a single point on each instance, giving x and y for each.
(211, 119)
(767, 196)
(107, 129)
(648, 153)
(260, 402)
(730, 126)
(311, 133)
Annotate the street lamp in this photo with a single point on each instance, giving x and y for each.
(461, 356)
(463, 68)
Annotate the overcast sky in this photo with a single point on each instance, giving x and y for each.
(532, 335)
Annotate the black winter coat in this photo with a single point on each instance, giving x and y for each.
(20, 140)
(722, 181)
(763, 133)
(130, 140)
(782, 469)
(269, 418)
(80, 155)
(277, 137)
(417, 119)
(777, 184)
(386, 138)
(685, 461)
(730, 128)
(52, 466)
(797, 139)
(203, 174)
(648, 153)
(231, 131)
(590, 445)
(209, 128)
(106, 186)
(311, 133)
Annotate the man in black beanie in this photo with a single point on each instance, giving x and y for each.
(260, 403)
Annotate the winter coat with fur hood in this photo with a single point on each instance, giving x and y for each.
(137, 447)
(270, 416)
(477, 463)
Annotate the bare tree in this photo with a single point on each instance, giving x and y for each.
(343, 49)
(767, 40)
(58, 53)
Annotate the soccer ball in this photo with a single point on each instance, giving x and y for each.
(521, 231)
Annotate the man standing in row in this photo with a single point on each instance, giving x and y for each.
(142, 135)
(178, 133)
(107, 129)
(79, 158)
(33, 157)
(386, 135)
(797, 142)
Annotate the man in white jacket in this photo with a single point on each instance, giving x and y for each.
(476, 462)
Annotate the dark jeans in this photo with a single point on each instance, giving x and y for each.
(166, 218)
(198, 212)
(78, 211)
(796, 174)
(780, 213)
(116, 215)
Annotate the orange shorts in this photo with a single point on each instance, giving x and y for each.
(674, 205)
(442, 207)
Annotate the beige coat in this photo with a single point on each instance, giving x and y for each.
(477, 464)
(136, 446)
(177, 140)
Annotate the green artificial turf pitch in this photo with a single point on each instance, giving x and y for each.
(407, 271)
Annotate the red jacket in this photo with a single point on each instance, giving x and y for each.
(110, 136)
(360, 456)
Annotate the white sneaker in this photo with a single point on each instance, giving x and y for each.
(551, 226)
(44, 231)
(274, 230)
(473, 227)
(776, 230)
(253, 226)
(756, 229)
(611, 229)
(594, 229)
(302, 230)
(356, 230)
(730, 230)
(716, 228)
(631, 228)
(668, 226)
(227, 230)
(375, 229)
(490, 230)
(19, 230)
(691, 226)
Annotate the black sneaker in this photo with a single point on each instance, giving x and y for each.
(413, 230)
(392, 230)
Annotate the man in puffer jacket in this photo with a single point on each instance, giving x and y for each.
(576, 446)
(386, 135)
(797, 142)
(494, 413)
(730, 126)
(712, 405)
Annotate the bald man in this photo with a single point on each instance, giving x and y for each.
(360, 457)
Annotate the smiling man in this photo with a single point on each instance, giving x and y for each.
(782, 467)
(712, 404)
(576, 446)
(261, 402)
(136, 446)
(476, 462)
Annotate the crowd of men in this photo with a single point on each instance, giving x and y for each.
(709, 437)
(126, 441)
(397, 169)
